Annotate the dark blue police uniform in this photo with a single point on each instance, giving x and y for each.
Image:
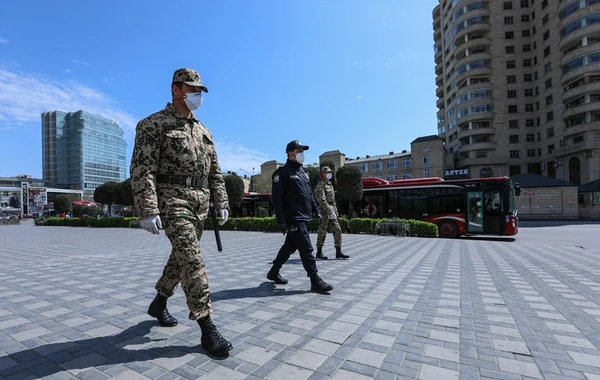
(295, 205)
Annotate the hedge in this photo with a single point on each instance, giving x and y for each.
(267, 224)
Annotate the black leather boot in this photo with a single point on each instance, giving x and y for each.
(158, 310)
(318, 285)
(320, 254)
(274, 275)
(339, 254)
(212, 341)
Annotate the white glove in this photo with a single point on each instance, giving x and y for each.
(332, 216)
(224, 216)
(151, 223)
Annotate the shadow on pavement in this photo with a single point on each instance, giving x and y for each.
(265, 289)
(53, 358)
(490, 238)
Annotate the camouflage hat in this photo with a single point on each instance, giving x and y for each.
(325, 169)
(292, 145)
(189, 77)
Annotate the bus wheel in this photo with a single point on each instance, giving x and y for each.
(447, 229)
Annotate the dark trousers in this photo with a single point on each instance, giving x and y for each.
(297, 238)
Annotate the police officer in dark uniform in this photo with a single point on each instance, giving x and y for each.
(295, 206)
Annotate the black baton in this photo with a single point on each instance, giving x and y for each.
(213, 214)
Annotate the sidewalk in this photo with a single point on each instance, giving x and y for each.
(73, 303)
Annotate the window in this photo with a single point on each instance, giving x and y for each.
(544, 4)
(508, 20)
(528, 107)
(407, 175)
(530, 152)
(426, 174)
(550, 116)
(513, 124)
(525, 33)
(512, 109)
(549, 100)
(364, 168)
(514, 169)
(550, 148)
(524, 3)
(377, 167)
(528, 92)
(527, 47)
(546, 35)
(512, 94)
(508, 5)
(527, 78)
(513, 139)
(510, 49)
(577, 139)
(511, 79)
(527, 62)
(480, 154)
(509, 35)
(406, 163)
(392, 177)
(392, 165)
(550, 132)
(514, 154)
(524, 18)
(547, 51)
(547, 67)
(530, 137)
(426, 160)
(529, 123)
(510, 64)
(548, 83)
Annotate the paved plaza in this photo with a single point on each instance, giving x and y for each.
(73, 304)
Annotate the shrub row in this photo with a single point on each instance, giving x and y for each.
(268, 224)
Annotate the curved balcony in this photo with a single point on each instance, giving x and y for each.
(476, 86)
(441, 112)
(578, 14)
(582, 128)
(439, 68)
(440, 103)
(587, 107)
(473, 73)
(439, 92)
(437, 11)
(473, 102)
(482, 116)
(567, 41)
(473, 57)
(593, 68)
(471, 44)
(581, 90)
(571, 148)
(439, 80)
(459, 39)
(478, 146)
(584, 50)
(472, 13)
(476, 132)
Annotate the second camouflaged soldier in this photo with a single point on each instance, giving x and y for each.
(174, 170)
(325, 196)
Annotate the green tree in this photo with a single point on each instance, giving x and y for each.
(314, 175)
(349, 186)
(235, 192)
(104, 194)
(91, 211)
(127, 193)
(62, 203)
(117, 193)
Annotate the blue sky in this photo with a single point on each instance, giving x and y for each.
(352, 75)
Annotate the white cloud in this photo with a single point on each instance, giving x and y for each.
(67, 70)
(24, 96)
(80, 62)
(3, 41)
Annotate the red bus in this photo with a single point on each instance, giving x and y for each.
(477, 206)
(253, 201)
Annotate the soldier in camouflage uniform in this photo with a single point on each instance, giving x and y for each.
(325, 196)
(174, 171)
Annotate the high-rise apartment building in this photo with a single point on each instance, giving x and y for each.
(518, 86)
(81, 150)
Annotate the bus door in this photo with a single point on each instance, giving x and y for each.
(372, 206)
(475, 212)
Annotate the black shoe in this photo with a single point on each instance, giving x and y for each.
(320, 254)
(339, 254)
(158, 310)
(212, 341)
(274, 275)
(318, 285)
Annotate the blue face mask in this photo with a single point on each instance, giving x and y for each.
(193, 100)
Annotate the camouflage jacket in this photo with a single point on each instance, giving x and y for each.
(325, 196)
(167, 142)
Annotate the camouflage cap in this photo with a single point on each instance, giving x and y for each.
(325, 169)
(189, 77)
(292, 145)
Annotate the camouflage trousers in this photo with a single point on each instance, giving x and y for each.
(186, 265)
(329, 225)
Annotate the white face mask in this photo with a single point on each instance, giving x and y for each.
(193, 100)
(328, 175)
(300, 157)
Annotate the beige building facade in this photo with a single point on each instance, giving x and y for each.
(518, 86)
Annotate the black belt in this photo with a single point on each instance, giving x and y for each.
(183, 180)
